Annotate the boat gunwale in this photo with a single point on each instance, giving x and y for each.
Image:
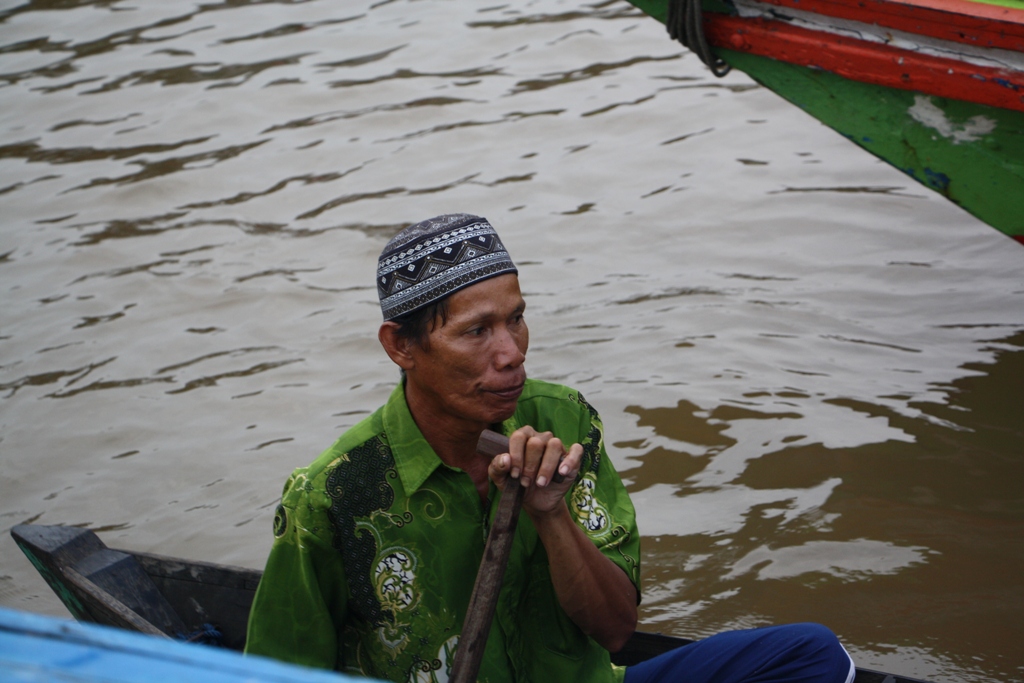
(941, 18)
(1004, 33)
(642, 646)
(869, 62)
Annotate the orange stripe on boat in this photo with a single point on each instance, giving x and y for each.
(868, 62)
(960, 21)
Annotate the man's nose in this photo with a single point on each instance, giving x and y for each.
(508, 353)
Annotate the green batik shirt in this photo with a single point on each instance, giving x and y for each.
(377, 546)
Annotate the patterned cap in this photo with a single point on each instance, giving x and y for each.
(434, 258)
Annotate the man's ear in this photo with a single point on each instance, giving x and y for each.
(396, 346)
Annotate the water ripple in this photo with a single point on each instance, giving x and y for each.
(155, 225)
(328, 117)
(668, 294)
(289, 29)
(109, 384)
(128, 270)
(155, 169)
(582, 74)
(406, 74)
(241, 197)
(233, 353)
(604, 10)
(510, 117)
(32, 152)
(362, 60)
(212, 380)
(382, 194)
(232, 74)
(44, 378)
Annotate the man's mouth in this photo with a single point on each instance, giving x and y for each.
(510, 392)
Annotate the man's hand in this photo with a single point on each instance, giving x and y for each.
(593, 591)
(535, 458)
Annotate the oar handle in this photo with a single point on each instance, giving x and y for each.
(492, 443)
(492, 569)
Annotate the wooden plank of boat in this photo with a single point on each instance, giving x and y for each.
(196, 592)
(38, 648)
(935, 88)
(136, 591)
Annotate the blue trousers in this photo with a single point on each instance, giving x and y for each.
(797, 653)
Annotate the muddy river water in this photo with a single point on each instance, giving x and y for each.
(810, 368)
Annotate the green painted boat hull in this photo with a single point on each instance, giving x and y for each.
(970, 153)
(983, 172)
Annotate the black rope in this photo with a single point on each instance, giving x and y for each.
(685, 23)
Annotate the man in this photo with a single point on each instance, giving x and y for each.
(377, 543)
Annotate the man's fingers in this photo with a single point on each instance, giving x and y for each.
(569, 464)
(540, 458)
(517, 447)
(547, 467)
(501, 462)
(533, 454)
(558, 477)
(498, 469)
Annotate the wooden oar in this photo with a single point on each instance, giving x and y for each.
(492, 569)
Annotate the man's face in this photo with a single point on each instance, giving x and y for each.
(471, 368)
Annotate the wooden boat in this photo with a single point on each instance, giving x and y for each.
(188, 600)
(933, 87)
(38, 648)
